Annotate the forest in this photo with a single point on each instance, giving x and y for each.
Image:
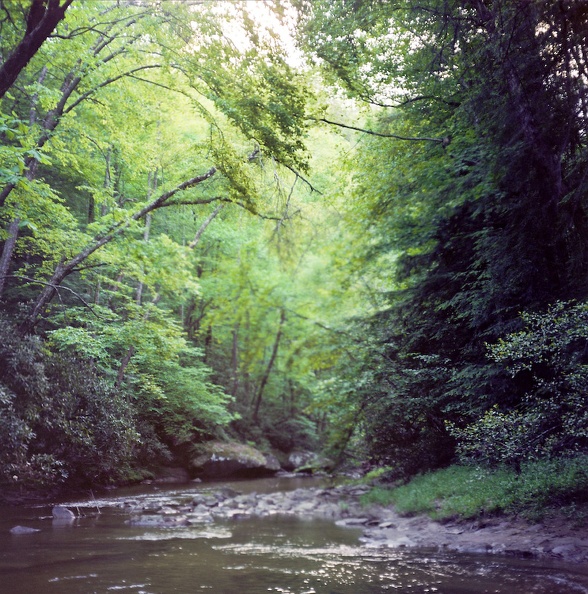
(353, 227)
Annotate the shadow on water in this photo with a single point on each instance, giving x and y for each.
(101, 553)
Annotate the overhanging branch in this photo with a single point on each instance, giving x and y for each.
(56, 288)
(444, 141)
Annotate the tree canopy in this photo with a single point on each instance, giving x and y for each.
(372, 244)
(484, 209)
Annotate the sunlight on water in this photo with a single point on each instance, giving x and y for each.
(102, 553)
(182, 533)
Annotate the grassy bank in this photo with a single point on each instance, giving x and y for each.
(542, 488)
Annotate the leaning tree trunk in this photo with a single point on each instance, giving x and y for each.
(43, 17)
(65, 268)
(268, 369)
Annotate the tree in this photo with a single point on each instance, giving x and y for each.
(486, 222)
(42, 18)
(118, 94)
(547, 361)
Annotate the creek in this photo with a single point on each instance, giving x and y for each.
(101, 553)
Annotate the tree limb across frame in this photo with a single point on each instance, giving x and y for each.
(444, 141)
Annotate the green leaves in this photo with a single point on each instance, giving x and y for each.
(460, 236)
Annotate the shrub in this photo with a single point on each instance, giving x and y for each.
(59, 420)
(548, 361)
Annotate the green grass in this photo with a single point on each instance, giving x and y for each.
(467, 492)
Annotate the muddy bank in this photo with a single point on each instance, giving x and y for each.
(382, 527)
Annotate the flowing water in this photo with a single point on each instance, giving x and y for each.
(101, 553)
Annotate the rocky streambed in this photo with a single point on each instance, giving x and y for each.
(382, 527)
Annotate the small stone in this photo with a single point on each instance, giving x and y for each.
(352, 522)
(563, 550)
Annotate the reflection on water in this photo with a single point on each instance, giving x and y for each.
(102, 554)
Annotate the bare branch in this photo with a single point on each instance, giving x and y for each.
(245, 205)
(106, 83)
(205, 224)
(297, 174)
(443, 141)
(56, 288)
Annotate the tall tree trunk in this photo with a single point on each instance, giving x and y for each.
(120, 376)
(268, 369)
(207, 343)
(235, 361)
(7, 252)
(35, 99)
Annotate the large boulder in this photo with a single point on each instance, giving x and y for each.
(231, 459)
(63, 513)
(168, 474)
(309, 462)
(23, 530)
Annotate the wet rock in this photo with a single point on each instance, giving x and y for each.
(23, 530)
(231, 459)
(199, 519)
(63, 513)
(309, 462)
(158, 521)
(329, 511)
(564, 550)
(299, 460)
(272, 463)
(381, 526)
(201, 509)
(306, 507)
(352, 522)
(205, 500)
(169, 475)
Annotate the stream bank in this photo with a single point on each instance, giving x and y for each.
(381, 526)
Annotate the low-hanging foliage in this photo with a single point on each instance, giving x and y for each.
(61, 421)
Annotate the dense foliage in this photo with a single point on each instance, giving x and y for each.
(151, 188)
(381, 252)
(474, 182)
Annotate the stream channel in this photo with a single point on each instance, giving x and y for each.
(104, 553)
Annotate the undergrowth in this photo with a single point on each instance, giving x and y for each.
(540, 489)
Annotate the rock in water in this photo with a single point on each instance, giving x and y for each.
(62, 513)
(23, 530)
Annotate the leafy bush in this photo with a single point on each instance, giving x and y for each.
(59, 421)
(548, 360)
(499, 438)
